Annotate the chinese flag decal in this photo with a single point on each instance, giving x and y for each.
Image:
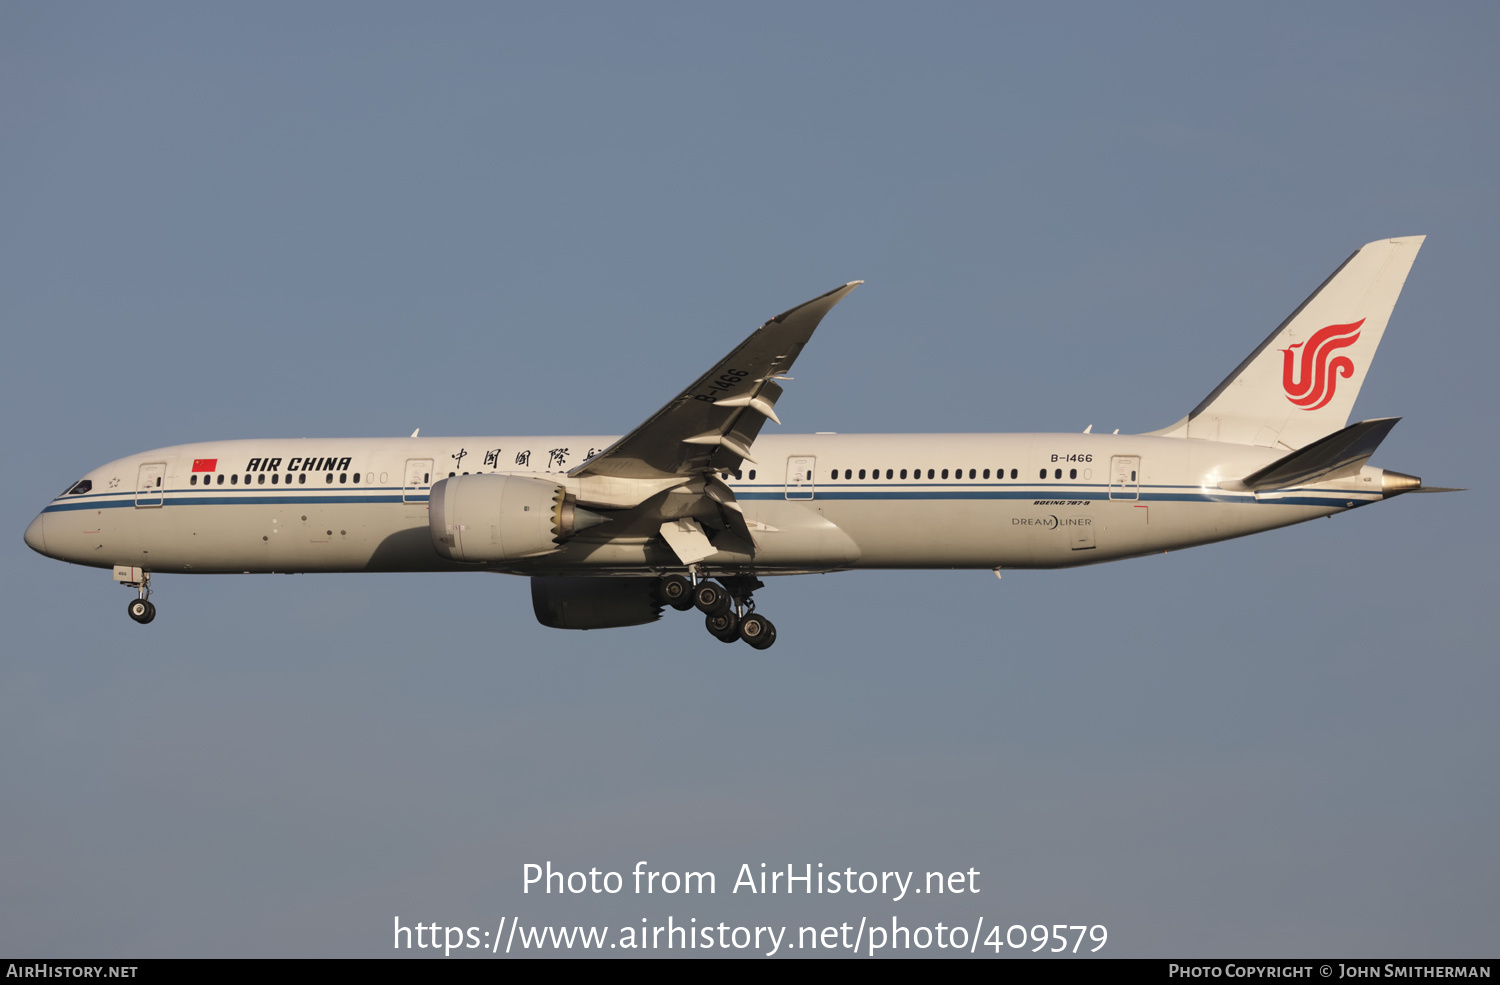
(205, 464)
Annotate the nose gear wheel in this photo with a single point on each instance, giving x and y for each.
(141, 611)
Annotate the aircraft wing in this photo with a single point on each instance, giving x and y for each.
(711, 424)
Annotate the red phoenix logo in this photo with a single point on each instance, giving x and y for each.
(1311, 385)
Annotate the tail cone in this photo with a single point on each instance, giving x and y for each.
(1396, 483)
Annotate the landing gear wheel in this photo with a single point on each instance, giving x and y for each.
(757, 631)
(141, 611)
(711, 598)
(676, 591)
(723, 626)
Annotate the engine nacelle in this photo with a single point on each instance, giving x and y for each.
(488, 517)
(594, 603)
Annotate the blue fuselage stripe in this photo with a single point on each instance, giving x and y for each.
(1091, 492)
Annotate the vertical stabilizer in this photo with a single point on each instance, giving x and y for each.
(1300, 383)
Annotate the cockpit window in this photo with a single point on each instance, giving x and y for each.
(83, 486)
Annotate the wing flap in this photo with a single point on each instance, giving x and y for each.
(687, 540)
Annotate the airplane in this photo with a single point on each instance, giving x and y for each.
(693, 507)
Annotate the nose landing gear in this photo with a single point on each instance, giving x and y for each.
(140, 609)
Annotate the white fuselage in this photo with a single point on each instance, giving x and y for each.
(898, 501)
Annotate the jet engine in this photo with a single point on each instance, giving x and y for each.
(488, 517)
(594, 603)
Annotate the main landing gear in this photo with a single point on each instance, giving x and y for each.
(141, 609)
(728, 610)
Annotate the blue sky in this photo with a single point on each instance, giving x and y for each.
(358, 219)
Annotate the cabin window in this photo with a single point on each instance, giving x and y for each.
(931, 474)
(986, 473)
(356, 476)
(1072, 473)
(752, 475)
(1043, 474)
(274, 478)
(903, 473)
(426, 477)
(343, 477)
(1057, 473)
(234, 480)
(261, 479)
(861, 473)
(220, 481)
(1013, 473)
(945, 473)
(330, 478)
(302, 479)
(193, 481)
(890, 474)
(1132, 475)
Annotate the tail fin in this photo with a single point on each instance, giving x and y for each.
(1300, 383)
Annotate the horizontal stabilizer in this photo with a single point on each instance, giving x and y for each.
(1339, 454)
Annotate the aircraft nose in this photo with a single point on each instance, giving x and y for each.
(35, 536)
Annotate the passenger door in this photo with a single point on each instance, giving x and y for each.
(799, 477)
(148, 484)
(418, 480)
(1125, 477)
